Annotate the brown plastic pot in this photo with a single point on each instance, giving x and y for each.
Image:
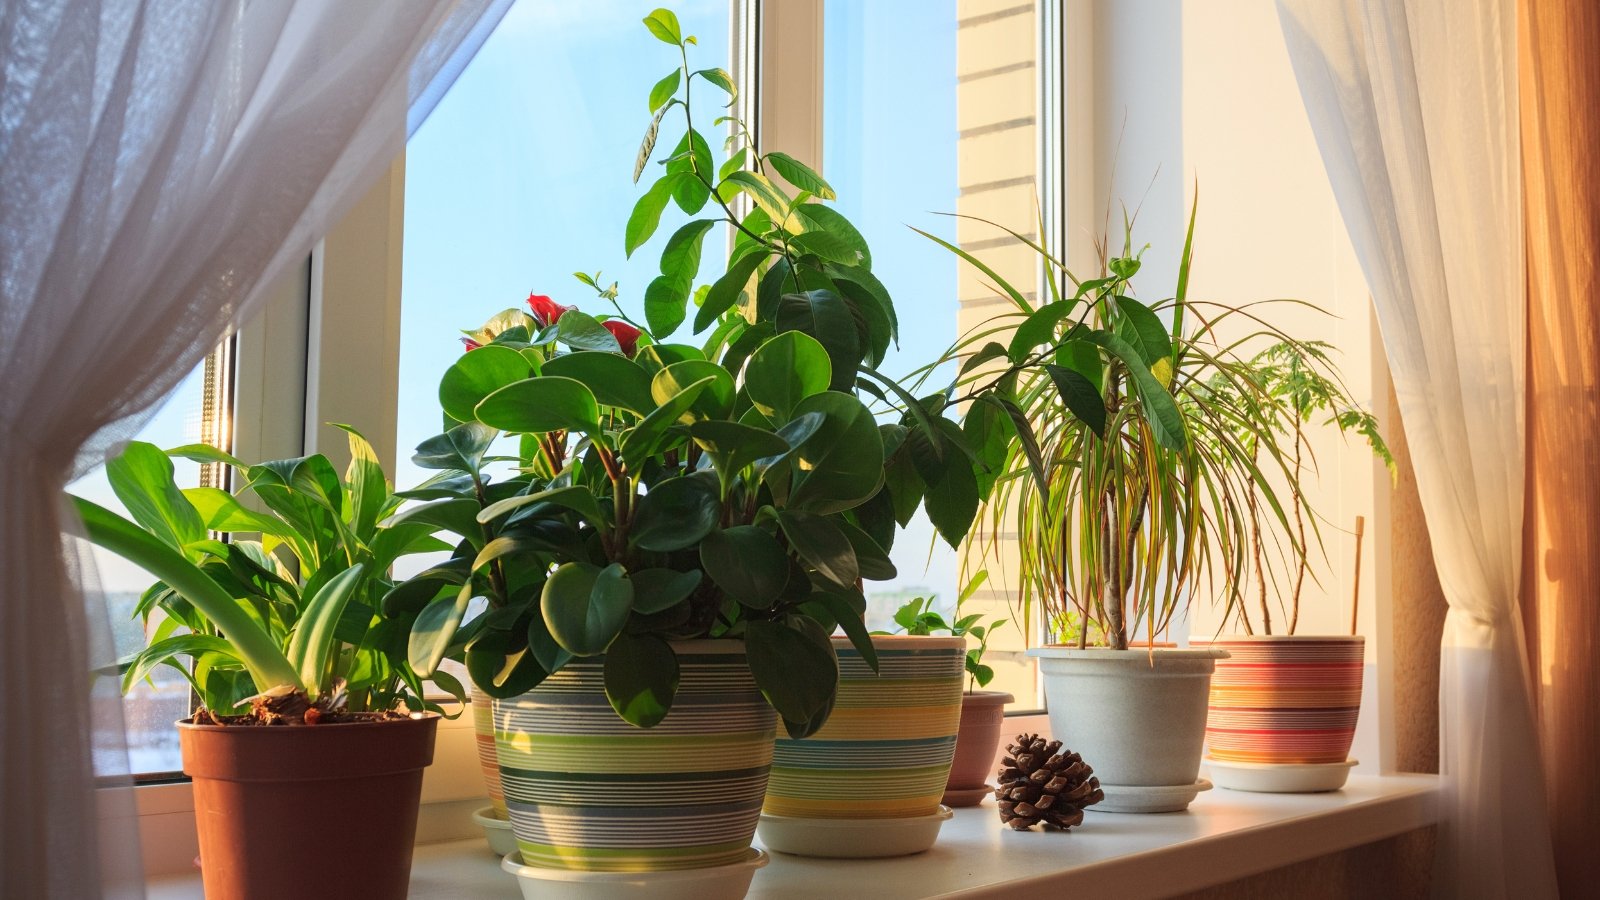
(329, 809)
(982, 715)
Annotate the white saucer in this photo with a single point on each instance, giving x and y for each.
(496, 830)
(729, 882)
(1280, 778)
(1140, 798)
(852, 838)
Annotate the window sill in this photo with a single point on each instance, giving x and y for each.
(1224, 836)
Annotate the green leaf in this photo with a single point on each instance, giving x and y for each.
(795, 667)
(681, 257)
(871, 559)
(734, 445)
(664, 25)
(951, 500)
(478, 374)
(614, 379)
(785, 370)
(828, 246)
(766, 195)
(800, 175)
(142, 478)
(824, 316)
(715, 401)
(664, 89)
(726, 290)
(652, 432)
(1084, 358)
(641, 678)
(205, 453)
(691, 162)
(818, 217)
(989, 431)
(1039, 328)
(1144, 331)
(585, 606)
(721, 79)
(166, 651)
(313, 636)
(647, 146)
(541, 404)
(1080, 397)
(677, 513)
(666, 304)
(435, 629)
(581, 331)
(1020, 301)
(646, 213)
(576, 497)
(461, 448)
(747, 563)
(1166, 423)
(732, 164)
(822, 545)
(658, 590)
(841, 464)
(221, 511)
(872, 310)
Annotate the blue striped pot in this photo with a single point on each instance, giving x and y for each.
(586, 791)
(886, 750)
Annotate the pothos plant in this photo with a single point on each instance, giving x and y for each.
(918, 617)
(1130, 485)
(731, 488)
(280, 619)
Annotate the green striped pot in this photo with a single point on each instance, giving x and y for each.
(586, 791)
(483, 734)
(886, 750)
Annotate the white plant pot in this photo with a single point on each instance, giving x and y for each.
(1138, 718)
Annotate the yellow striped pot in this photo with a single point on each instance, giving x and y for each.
(488, 762)
(886, 749)
(1284, 699)
(586, 791)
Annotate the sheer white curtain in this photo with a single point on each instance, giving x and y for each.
(1414, 105)
(160, 161)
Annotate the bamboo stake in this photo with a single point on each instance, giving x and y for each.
(1355, 587)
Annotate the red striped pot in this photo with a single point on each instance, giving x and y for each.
(488, 762)
(1284, 699)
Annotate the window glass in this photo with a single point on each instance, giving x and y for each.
(929, 107)
(151, 707)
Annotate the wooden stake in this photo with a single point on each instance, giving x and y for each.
(1355, 587)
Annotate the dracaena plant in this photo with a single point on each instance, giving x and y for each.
(1128, 484)
(613, 490)
(280, 617)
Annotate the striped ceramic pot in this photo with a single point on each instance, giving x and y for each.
(586, 791)
(483, 734)
(887, 747)
(1284, 699)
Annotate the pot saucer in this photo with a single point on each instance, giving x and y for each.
(1142, 798)
(1280, 778)
(852, 838)
(496, 830)
(966, 796)
(729, 882)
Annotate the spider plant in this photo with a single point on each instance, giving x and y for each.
(1127, 483)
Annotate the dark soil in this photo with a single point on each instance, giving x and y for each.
(292, 709)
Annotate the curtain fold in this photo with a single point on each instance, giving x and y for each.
(1414, 106)
(160, 163)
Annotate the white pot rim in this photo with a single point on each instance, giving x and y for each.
(1103, 653)
(1280, 638)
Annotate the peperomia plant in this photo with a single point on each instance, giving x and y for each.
(281, 617)
(653, 491)
(918, 617)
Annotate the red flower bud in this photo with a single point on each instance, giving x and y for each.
(470, 344)
(627, 336)
(545, 310)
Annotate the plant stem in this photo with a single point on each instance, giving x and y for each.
(1299, 525)
(497, 573)
(1255, 545)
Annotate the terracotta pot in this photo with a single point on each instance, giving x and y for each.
(326, 808)
(1284, 699)
(488, 762)
(588, 792)
(982, 718)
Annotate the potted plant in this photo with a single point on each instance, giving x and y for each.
(1126, 488)
(312, 732)
(666, 534)
(1284, 705)
(982, 712)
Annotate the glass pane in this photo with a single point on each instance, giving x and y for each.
(152, 706)
(523, 175)
(929, 107)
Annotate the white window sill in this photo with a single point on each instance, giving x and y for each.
(1224, 836)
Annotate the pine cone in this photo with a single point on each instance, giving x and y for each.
(1038, 785)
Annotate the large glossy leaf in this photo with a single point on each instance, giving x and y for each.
(222, 511)
(823, 315)
(142, 478)
(800, 175)
(435, 629)
(872, 560)
(585, 606)
(841, 464)
(646, 213)
(677, 513)
(847, 611)
(576, 497)
(370, 496)
(785, 370)
(664, 25)
(657, 590)
(614, 379)
(655, 430)
(461, 448)
(951, 499)
(822, 545)
(691, 161)
(641, 678)
(1166, 423)
(313, 637)
(168, 650)
(733, 445)
(795, 667)
(1084, 358)
(1080, 396)
(542, 404)
(747, 563)
(714, 401)
(725, 290)
(767, 197)
(830, 221)
(581, 331)
(664, 89)
(1038, 329)
(1144, 331)
(476, 375)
